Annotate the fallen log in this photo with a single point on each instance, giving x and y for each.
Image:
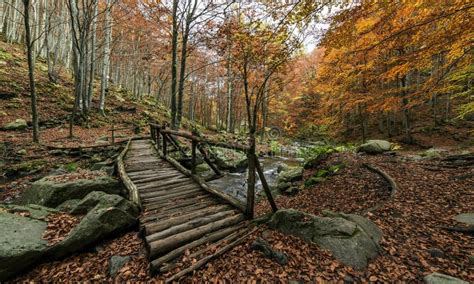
(386, 177)
(464, 230)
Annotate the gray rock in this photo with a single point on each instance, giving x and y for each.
(466, 218)
(21, 243)
(282, 167)
(18, 124)
(34, 211)
(375, 147)
(21, 152)
(228, 159)
(292, 190)
(353, 239)
(471, 259)
(51, 193)
(98, 199)
(116, 262)
(68, 205)
(439, 278)
(98, 224)
(282, 186)
(291, 174)
(436, 252)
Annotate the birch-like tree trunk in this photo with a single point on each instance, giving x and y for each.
(106, 62)
(31, 69)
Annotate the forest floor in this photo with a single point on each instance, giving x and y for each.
(413, 244)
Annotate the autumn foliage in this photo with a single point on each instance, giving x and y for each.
(386, 63)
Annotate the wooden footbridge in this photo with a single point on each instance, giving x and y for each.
(181, 214)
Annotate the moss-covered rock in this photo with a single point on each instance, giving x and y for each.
(228, 159)
(291, 174)
(52, 193)
(18, 124)
(439, 278)
(96, 225)
(99, 199)
(375, 147)
(351, 238)
(21, 243)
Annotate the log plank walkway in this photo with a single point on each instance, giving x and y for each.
(179, 216)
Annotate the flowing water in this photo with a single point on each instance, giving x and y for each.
(235, 184)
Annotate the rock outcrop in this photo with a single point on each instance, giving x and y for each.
(352, 239)
(51, 193)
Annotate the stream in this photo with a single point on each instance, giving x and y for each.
(235, 184)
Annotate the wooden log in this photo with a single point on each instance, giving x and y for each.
(220, 236)
(201, 221)
(265, 186)
(165, 224)
(165, 192)
(172, 198)
(204, 260)
(193, 157)
(158, 187)
(158, 177)
(386, 177)
(171, 204)
(129, 185)
(180, 201)
(162, 215)
(249, 209)
(166, 245)
(208, 161)
(173, 181)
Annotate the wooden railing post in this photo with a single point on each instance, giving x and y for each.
(249, 210)
(113, 134)
(193, 157)
(152, 133)
(157, 130)
(165, 150)
(265, 186)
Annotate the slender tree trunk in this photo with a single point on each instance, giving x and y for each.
(31, 70)
(174, 64)
(90, 89)
(106, 63)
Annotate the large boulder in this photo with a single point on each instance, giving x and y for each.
(375, 147)
(228, 159)
(18, 124)
(96, 225)
(21, 240)
(439, 278)
(352, 239)
(52, 193)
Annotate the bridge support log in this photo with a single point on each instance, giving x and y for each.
(166, 245)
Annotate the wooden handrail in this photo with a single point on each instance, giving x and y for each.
(197, 142)
(200, 139)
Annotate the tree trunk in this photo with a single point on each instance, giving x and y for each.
(174, 64)
(31, 70)
(106, 63)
